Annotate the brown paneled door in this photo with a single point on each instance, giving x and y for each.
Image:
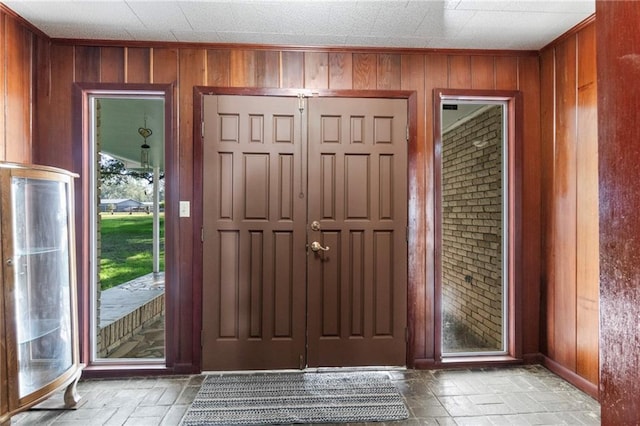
(358, 198)
(304, 241)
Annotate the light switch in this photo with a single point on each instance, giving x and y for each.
(185, 209)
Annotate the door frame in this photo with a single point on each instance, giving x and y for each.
(513, 169)
(84, 166)
(416, 275)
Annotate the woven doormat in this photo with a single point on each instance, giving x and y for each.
(285, 398)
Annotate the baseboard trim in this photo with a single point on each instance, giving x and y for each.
(571, 377)
(533, 358)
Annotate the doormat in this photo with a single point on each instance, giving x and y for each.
(286, 398)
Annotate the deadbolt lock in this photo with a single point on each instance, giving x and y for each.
(315, 225)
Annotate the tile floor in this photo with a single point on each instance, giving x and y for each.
(528, 395)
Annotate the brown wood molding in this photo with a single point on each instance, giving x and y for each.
(571, 32)
(28, 25)
(515, 219)
(468, 362)
(82, 164)
(571, 377)
(292, 48)
(260, 91)
(416, 273)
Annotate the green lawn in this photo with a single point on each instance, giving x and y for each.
(127, 247)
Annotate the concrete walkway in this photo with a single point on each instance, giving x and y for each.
(121, 300)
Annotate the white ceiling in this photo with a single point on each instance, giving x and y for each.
(448, 24)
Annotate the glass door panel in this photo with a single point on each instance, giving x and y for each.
(42, 281)
(473, 228)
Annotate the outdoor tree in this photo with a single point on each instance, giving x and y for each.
(116, 181)
(113, 171)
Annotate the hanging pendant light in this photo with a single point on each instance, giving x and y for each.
(145, 149)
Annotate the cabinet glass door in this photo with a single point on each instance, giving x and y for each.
(42, 281)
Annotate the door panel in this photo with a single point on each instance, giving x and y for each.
(261, 310)
(357, 184)
(254, 234)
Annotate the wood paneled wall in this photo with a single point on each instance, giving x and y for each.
(618, 63)
(60, 65)
(570, 188)
(39, 76)
(16, 43)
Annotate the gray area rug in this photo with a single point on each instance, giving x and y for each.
(285, 398)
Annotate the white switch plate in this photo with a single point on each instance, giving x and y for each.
(185, 209)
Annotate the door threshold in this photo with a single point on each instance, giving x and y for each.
(353, 369)
(313, 370)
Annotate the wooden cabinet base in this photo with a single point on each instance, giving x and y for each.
(71, 396)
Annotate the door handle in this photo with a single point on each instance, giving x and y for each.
(316, 246)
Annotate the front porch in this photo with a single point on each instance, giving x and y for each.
(132, 319)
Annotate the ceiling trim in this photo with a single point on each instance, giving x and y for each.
(28, 25)
(273, 47)
(571, 32)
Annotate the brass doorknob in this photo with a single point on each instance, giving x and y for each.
(316, 246)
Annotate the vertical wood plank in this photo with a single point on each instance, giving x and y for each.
(242, 68)
(340, 70)
(436, 76)
(547, 119)
(87, 64)
(316, 70)
(55, 146)
(364, 71)
(459, 72)
(531, 227)
(564, 193)
(137, 65)
(218, 63)
(17, 112)
(292, 70)
(587, 255)
(112, 64)
(3, 88)
(587, 240)
(506, 72)
(267, 69)
(412, 72)
(388, 72)
(41, 94)
(586, 56)
(165, 65)
(191, 73)
(482, 72)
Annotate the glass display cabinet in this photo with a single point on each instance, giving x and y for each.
(39, 337)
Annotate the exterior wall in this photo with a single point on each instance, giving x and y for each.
(570, 185)
(472, 227)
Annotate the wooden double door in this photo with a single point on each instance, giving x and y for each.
(305, 232)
